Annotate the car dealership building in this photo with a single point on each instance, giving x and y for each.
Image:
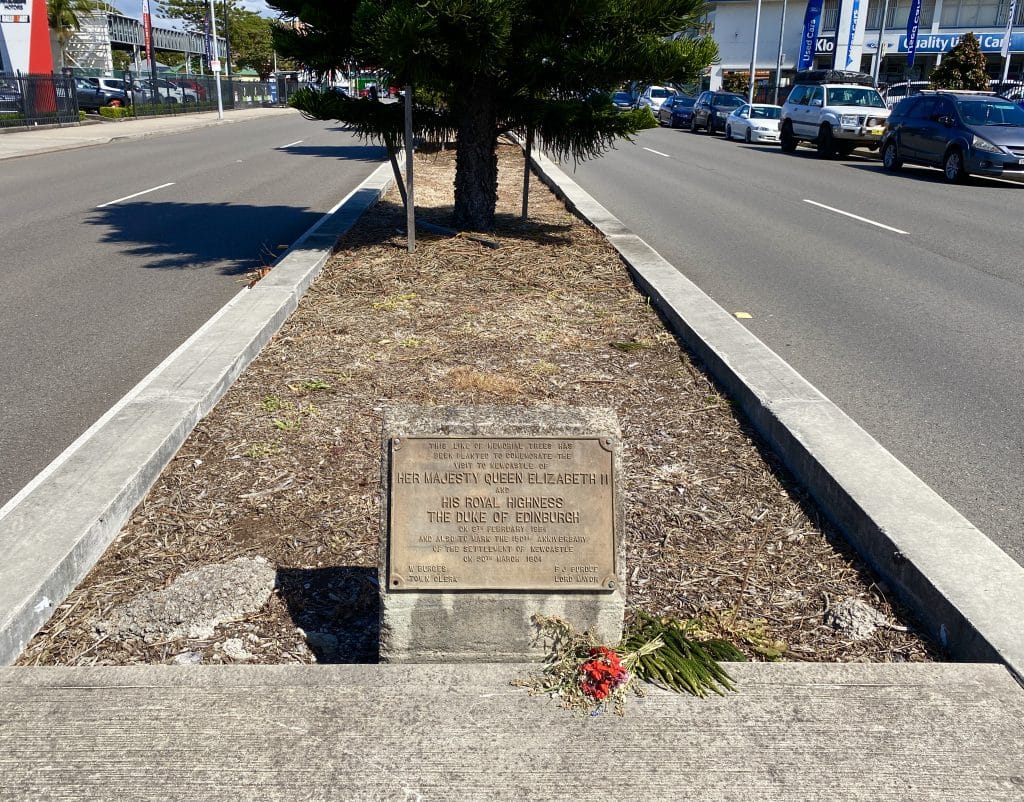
(852, 34)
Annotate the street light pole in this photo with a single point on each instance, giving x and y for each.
(216, 61)
(778, 64)
(881, 44)
(753, 53)
(227, 41)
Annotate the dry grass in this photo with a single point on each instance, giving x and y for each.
(286, 466)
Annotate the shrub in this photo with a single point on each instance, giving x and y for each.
(736, 82)
(963, 67)
(115, 112)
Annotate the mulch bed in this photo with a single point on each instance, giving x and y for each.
(287, 465)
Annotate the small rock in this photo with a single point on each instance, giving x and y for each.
(855, 619)
(188, 658)
(234, 649)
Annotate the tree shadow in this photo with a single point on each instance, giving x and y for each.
(194, 236)
(392, 219)
(933, 175)
(349, 153)
(338, 608)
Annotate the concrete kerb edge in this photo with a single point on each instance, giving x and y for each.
(54, 552)
(976, 617)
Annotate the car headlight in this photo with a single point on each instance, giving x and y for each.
(983, 144)
(848, 119)
(764, 129)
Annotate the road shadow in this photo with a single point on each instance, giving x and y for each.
(195, 236)
(915, 174)
(348, 153)
(338, 608)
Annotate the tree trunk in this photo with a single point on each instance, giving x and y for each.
(476, 163)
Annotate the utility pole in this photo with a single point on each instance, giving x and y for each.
(880, 50)
(753, 53)
(778, 64)
(216, 61)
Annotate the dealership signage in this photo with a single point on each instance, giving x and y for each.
(943, 42)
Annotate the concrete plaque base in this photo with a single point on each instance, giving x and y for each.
(491, 515)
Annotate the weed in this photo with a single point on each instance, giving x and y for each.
(393, 302)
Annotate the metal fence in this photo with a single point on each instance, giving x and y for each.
(27, 101)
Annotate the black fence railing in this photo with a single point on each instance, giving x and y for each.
(27, 101)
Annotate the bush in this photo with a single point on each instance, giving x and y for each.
(963, 67)
(736, 82)
(115, 112)
(82, 116)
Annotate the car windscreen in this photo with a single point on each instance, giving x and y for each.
(685, 102)
(661, 93)
(622, 97)
(729, 101)
(855, 96)
(990, 112)
(766, 114)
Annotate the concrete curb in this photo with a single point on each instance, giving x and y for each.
(966, 590)
(50, 544)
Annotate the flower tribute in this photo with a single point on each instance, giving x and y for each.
(590, 677)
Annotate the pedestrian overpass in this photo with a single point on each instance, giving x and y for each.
(92, 45)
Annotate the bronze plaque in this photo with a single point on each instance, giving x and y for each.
(501, 513)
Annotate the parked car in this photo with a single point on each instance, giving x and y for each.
(192, 85)
(711, 109)
(161, 90)
(894, 93)
(10, 97)
(757, 122)
(622, 101)
(93, 95)
(652, 97)
(960, 132)
(676, 111)
(835, 117)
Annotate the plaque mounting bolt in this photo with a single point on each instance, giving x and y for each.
(396, 443)
(606, 443)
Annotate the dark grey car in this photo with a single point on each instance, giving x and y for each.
(960, 132)
(711, 109)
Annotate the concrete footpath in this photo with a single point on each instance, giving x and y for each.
(792, 731)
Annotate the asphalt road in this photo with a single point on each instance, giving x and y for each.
(914, 330)
(97, 288)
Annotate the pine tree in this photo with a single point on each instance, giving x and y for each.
(481, 68)
(963, 67)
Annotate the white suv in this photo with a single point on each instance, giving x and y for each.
(836, 117)
(653, 97)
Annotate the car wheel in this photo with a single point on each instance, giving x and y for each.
(693, 125)
(746, 137)
(826, 144)
(953, 167)
(891, 156)
(786, 138)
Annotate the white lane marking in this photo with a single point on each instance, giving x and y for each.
(658, 152)
(135, 195)
(856, 217)
(296, 142)
(68, 452)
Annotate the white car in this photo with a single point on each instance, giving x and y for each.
(653, 97)
(754, 122)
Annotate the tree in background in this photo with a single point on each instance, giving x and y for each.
(481, 68)
(246, 31)
(736, 82)
(963, 67)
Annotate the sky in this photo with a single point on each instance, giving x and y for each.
(133, 8)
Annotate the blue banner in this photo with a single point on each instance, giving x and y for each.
(206, 37)
(913, 26)
(812, 18)
(854, 19)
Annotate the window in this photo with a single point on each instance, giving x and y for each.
(765, 113)
(924, 109)
(899, 13)
(970, 13)
(798, 95)
(818, 94)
